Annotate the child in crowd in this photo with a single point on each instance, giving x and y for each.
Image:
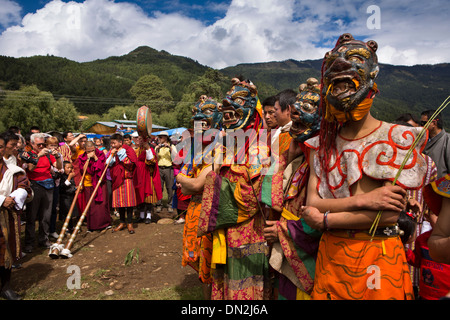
(53, 144)
(67, 190)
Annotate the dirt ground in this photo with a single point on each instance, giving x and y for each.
(153, 270)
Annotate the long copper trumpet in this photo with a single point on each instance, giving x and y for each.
(65, 253)
(56, 248)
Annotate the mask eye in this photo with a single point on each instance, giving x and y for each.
(355, 59)
(239, 101)
(207, 112)
(307, 107)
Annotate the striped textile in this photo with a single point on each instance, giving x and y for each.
(65, 152)
(124, 196)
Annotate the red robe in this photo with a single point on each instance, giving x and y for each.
(118, 170)
(149, 180)
(98, 216)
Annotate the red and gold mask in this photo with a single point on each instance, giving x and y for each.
(349, 73)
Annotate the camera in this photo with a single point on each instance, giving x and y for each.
(28, 157)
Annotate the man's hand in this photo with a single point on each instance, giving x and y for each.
(9, 203)
(270, 231)
(414, 206)
(313, 217)
(389, 198)
(43, 152)
(92, 155)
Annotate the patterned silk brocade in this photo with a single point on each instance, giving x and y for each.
(229, 204)
(378, 155)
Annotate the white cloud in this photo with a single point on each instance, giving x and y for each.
(9, 13)
(250, 31)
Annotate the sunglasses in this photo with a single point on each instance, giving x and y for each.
(41, 144)
(423, 123)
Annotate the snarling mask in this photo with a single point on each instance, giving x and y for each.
(206, 114)
(239, 105)
(348, 76)
(305, 114)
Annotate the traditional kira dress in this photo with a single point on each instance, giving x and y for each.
(349, 265)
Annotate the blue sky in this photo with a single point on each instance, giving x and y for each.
(225, 32)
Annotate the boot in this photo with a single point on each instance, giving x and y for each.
(8, 294)
(130, 228)
(119, 227)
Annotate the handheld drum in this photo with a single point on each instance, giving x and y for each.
(144, 122)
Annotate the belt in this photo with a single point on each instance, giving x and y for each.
(380, 233)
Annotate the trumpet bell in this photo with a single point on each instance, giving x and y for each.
(65, 254)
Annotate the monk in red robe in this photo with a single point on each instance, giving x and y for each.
(97, 217)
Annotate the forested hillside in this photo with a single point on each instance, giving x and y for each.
(108, 88)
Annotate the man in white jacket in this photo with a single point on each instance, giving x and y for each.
(14, 191)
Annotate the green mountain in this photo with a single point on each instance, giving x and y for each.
(97, 86)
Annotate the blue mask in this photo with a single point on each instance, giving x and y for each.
(207, 112)
(305, 114)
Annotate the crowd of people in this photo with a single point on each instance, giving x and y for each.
(66, 176)
(340, 218)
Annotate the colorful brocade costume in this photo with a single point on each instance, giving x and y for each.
(230, 206)
(197, 251)
(293, 255)
(240, 253)
(349, 265)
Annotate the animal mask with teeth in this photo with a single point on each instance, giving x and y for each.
(348, 75)
(206, 112)
(239, 105)
(305, 115)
